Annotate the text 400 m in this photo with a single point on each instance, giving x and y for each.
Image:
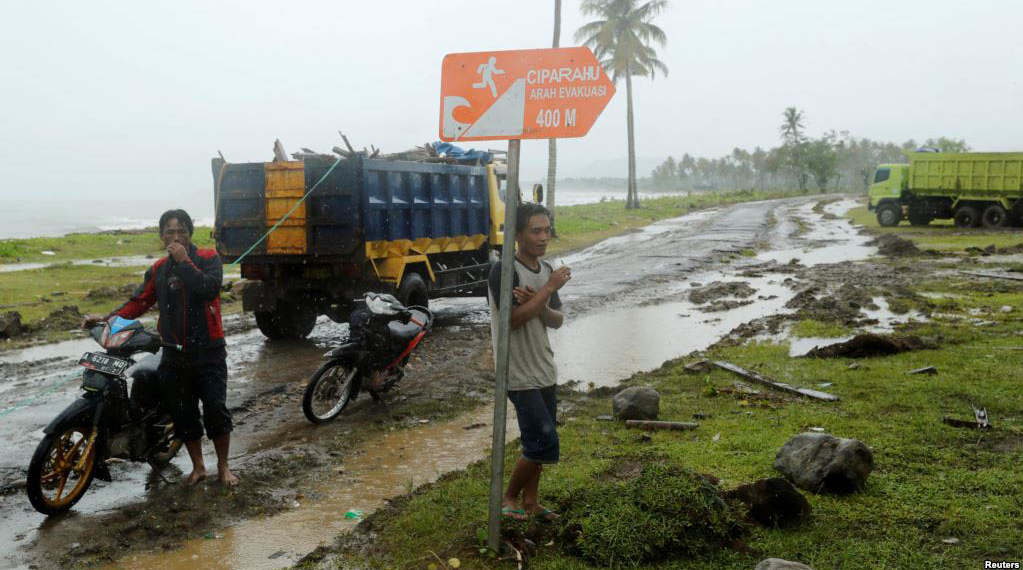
(546, 118)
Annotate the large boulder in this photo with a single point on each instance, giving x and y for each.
(773, 502)
(779, 564)
(10, 324)
(819, 462)
(636, 403)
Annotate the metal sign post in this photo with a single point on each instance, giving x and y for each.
(511, 204)
(514, 95)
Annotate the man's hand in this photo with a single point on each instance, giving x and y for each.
(91, 320)
(177, 252)
(523, 294)
(560, 276)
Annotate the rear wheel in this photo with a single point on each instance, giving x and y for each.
(412, 291)
(166, 446)
(329, 391)
(61, 469)
(889, 214)
(967, 217)
(994, 217)
(287, 321)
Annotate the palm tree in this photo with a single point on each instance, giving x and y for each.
(792, 135)
(621, 40)
(552, 144)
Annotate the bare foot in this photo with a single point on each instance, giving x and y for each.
(197, 474)
(228, 478)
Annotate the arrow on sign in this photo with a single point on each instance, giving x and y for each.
(521, 94)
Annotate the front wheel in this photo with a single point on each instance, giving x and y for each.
(889, 214)
(61, 469)
(329, 391)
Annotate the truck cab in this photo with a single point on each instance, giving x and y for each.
(885, 194)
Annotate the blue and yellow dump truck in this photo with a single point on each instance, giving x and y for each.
(418, 230)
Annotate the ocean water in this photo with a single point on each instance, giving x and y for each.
(34, 218)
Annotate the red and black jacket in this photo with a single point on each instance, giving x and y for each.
(189, 297)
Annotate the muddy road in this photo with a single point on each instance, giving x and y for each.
(630, 306)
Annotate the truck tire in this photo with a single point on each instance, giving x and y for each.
(967, 217)
(288, 321)
(889, 214)
(994, 217)
(412, 291)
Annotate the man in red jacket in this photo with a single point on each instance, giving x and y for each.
(186, 286)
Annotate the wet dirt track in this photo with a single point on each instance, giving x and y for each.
(628, 300)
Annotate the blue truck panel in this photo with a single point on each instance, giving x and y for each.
(360, 200)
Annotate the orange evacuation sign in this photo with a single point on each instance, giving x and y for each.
(521, 94)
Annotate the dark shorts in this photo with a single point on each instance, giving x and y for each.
(538, 413)
(183, 386)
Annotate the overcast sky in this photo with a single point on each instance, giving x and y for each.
(124, 103)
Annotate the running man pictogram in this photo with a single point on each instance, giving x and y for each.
(487, 71)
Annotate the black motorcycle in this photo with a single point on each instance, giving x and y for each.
(382, 336)
(106, 422)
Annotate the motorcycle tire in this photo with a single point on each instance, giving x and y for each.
(53, 467)
(169, 444)
(332, 385)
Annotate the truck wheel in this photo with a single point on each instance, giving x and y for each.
(889, 214)
(994, 217)
(288, 321)
(412, 291)
(967, 217)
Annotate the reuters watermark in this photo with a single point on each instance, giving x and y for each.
(993, 564)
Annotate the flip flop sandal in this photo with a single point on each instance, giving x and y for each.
(546, 515)
(517, 514)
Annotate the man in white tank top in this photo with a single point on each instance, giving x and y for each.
(532, 375)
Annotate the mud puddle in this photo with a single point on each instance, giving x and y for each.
(828, 240)
(392, 464)
(606, 346)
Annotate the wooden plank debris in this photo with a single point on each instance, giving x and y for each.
(993, 275)
(279, 154)
(749, 375)
(657, 425)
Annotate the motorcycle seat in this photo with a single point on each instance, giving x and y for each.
(147, 369)
(405, 332)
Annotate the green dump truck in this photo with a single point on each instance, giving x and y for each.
(975, 189)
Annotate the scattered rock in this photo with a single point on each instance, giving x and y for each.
(10, 325)
(725, 305)
(868, 344)
(892, 245)
(951, 540)
(779, 564)
(773, 502)
(636, 403)
(855, 366)
(1005, 309)
(931, 370)
(819, 462)
(719, 289)
(699, 367)
(699, 416)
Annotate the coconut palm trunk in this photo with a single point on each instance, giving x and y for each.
(632, 201)
(552, 144)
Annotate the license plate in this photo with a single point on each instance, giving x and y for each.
(104, 363)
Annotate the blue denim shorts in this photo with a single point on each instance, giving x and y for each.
(537, 411)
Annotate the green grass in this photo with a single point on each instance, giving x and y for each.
(90, 246)
(930, 482)
(814, 328)
(940, 235)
